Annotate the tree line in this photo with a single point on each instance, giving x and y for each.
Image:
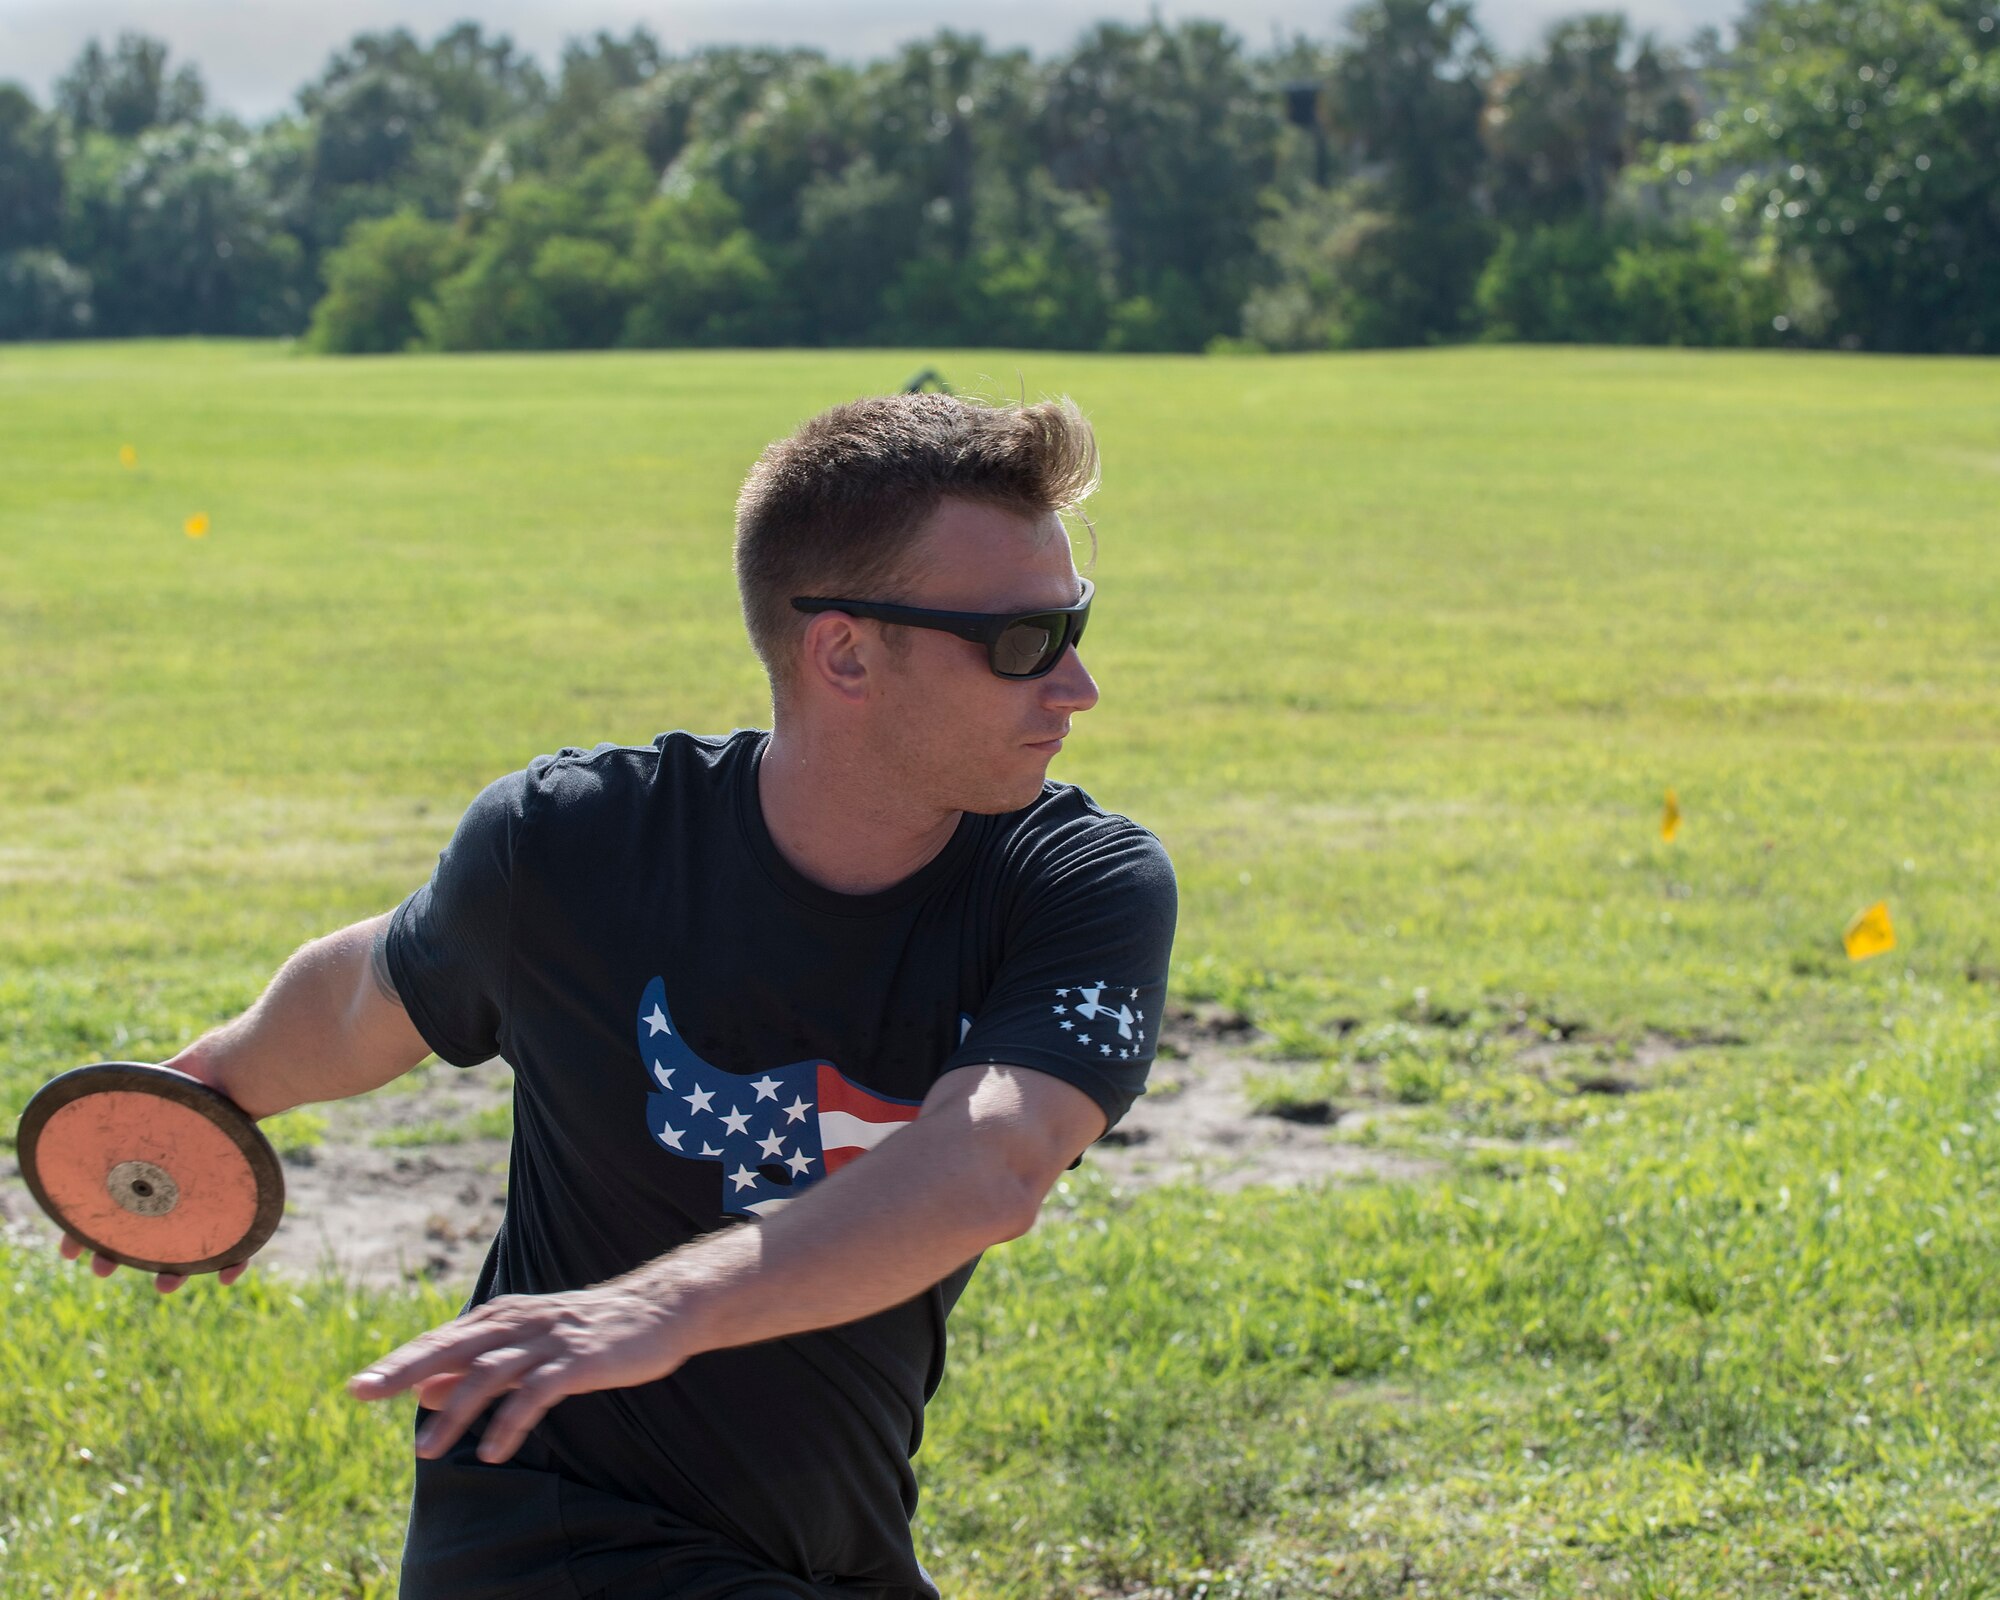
(1828, 177)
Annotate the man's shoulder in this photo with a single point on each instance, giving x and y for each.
(1065, 829)
(574, 780)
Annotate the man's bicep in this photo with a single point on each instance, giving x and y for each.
(378, 964)
(382, 1042)
(1033, 1121)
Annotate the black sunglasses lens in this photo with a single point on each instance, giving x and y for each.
(1029, 647)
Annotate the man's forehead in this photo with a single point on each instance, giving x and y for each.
(965, 537)
(974, 523)
(988, 555)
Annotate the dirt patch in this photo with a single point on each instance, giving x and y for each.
(365, 1205)
(379, 1214)
(1194, 1124)
(1605, 1065)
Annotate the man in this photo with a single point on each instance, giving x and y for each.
(801, 1023)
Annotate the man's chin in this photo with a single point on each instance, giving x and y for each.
(1016, 796)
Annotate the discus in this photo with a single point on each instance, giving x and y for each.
(151, 1168)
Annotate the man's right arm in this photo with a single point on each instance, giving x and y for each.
(328, 1026)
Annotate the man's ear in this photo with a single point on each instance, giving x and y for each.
(837, 651)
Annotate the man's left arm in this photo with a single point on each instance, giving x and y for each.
(969, 1172)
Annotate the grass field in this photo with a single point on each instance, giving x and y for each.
(1399, 653)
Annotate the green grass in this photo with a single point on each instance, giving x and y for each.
(495, 1122)
(1399, 653)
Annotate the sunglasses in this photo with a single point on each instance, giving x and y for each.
(1019, 644)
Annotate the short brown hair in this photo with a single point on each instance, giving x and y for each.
(834, 509)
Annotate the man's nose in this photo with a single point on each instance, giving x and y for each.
(1070, 686)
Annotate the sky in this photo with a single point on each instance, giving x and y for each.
(253, 54)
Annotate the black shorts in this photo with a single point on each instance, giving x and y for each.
(522, 1531)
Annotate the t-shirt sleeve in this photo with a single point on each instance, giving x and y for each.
(450, 943)
(1083, 981)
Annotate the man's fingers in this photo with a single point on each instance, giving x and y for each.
(72, 1249)
(522, 1409)
(485, 1377)
(448, 1349)
(433, 1394)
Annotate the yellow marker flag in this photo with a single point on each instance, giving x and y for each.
(197, 525)
(1870, 933)
(128, 458)
(1670, 822)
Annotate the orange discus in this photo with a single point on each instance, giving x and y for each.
(151, 1168)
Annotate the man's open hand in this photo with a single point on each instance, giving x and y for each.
(542, 1347)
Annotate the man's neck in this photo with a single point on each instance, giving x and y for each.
(837, 824)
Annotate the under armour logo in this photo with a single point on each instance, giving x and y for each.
(1090, 1010)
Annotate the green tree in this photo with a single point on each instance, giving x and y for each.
(42, 296)
(180, 233)
(1173, 134)
(1562, 125)
(1695, 287)
(396, 124)
(698, 277)
(1622, 280)
(595, 103)
(1407, 93)
(128, 89)
(1040, 275)
(31, 173)
(1550, 283)
(1866, 133)
(377, 278)
(548, 270)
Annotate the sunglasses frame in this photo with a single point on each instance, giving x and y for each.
(981, 627)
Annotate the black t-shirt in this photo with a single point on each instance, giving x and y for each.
(699, 1032)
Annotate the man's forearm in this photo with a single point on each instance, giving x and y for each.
(875, 1234)
(322, 1030)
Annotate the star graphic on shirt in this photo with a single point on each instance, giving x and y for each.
(1105, 1048)
(1135, 994)
(1083, 1038)
(664, 1074)
(698, 1101)
(1059, 1010)
(743, 1178)
(1124, 1055)
(1062, 994)
(670, 1134)
(657, 1023)
(772, 1144)
(796, 1111)
(798, 1161)
(710, 1150)
(1102, 984)
(766, 1087)
(737, 1122)
(1069, 1027)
